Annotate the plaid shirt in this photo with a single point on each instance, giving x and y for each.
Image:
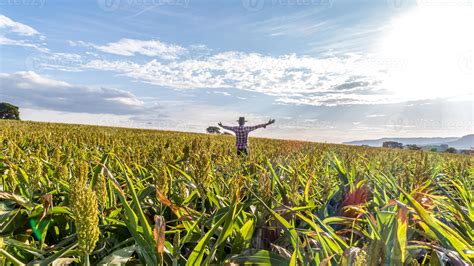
(242, 134)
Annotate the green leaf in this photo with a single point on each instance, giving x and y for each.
(243, 236)
(289, 228)
(10, 257)
(57, 255)
(119, 257)
(401, 234)
(261, 257)
(445, 235)
(198, 252)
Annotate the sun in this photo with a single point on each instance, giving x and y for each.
(433, 47)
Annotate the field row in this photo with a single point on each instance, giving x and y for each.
(72, 194)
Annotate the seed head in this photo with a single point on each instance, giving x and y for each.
(100, 188)
(84, 207)
(264, 186)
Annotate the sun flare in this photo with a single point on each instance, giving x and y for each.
(433, 46)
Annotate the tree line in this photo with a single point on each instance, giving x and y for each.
(9, 111)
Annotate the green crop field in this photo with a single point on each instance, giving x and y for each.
(72, 194)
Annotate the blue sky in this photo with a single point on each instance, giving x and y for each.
(326, 70)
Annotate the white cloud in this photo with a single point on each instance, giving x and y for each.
(375, 115)
(222, 92)
(22, 43)
(30, 90)
(292, 79)
(131, 47)
(16, 27)
(10, 27)
(297, 24)
(68, 62)
(344, 79)
(41, 114)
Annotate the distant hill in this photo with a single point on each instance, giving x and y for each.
(465, 142)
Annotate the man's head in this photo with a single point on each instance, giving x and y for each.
(241, 121)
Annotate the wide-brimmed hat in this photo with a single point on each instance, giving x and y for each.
(241, 119)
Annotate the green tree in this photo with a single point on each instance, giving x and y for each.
(392, 144)
(413, 147)
(9, 111)
(213, 130)
(450, 150)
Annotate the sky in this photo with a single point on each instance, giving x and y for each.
(326, 70)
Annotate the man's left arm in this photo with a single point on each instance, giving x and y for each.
(271, 121)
